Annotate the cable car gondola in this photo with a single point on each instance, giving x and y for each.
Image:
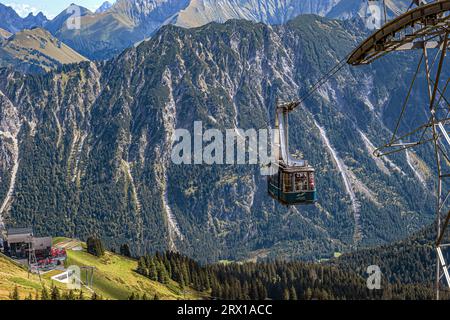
(292, 181)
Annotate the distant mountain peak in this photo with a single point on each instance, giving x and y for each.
(104, 7)
(146, 7)
(37, 20)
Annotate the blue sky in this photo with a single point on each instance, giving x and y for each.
(50, 8)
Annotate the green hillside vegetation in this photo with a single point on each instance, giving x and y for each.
(115, 277)
(174, 276)
(410, 261)
(276, 280)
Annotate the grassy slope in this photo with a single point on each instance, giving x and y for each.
(4, 34)
(26, 46)
(12, 274)
(114, 277)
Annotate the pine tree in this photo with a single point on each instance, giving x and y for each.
(44, 294)
(14, 295)
(95, 246)
(55, 295)
(255, 293)
(181, 282)
(325, 295)
(162, 273)
(244, 295)
(70, 295)
(286, 294)
(95, 296)
(142, 269)
(152, 271)
(293, 293)
(125, 250)
(36, 295)
(308, 294)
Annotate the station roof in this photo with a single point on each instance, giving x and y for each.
(19, 231)
(425, 20)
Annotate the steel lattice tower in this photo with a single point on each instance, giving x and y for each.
(425, 28)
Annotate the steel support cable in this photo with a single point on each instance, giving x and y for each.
(436, 85)
(446, 118)
(442, 96)
(431, 82)
(319, 85)
(378, 153)
(324, 79)
(440, 230)
(441, 205)
(443, 202)
(405, 146)
(438, 148)
(444, 227)
(444, 153)
(405, 104)
(438, 76)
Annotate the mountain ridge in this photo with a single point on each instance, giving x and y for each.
(12, 22)
(104, 7)
(105, 34)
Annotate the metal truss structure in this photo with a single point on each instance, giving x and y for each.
(425, 28)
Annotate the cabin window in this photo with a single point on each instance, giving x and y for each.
(273, 179)
(287, 182)
(311, 181)
(301, 181)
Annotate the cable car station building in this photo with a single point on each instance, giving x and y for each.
(20, 242)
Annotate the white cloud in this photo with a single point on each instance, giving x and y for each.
(23, 10)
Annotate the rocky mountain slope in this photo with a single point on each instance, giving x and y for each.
(348, 9)
(87, 150)
(201, 12)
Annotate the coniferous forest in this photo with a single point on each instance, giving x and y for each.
(278, 280)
